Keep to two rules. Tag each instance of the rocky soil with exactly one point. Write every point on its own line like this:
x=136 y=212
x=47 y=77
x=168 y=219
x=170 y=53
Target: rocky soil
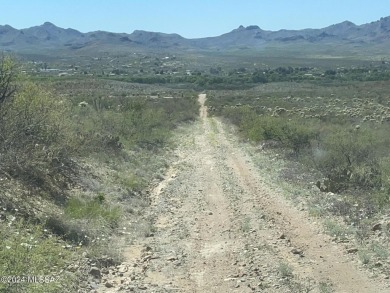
x=219 y=227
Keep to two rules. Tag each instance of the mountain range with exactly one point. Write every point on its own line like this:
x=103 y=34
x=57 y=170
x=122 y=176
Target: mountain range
x=48 y=37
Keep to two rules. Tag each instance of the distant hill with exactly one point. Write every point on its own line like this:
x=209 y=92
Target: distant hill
x=48 y=37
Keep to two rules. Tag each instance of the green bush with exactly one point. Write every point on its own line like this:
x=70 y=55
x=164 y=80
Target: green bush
x=297 y=135
x=293 y=134
x=135 y=122
x=34 y=147
x=238 y=115
x=348 y=158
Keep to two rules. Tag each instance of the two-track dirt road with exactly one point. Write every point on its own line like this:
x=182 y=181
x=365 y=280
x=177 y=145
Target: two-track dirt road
x=218 y=227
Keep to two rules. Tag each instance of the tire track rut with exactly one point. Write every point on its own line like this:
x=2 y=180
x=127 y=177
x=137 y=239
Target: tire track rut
x=220 y=228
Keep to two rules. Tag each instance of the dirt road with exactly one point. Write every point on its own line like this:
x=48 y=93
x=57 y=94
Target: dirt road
x=218 y=227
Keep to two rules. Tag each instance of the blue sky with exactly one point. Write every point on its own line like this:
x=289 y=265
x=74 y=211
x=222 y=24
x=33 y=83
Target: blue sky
x=189 y=18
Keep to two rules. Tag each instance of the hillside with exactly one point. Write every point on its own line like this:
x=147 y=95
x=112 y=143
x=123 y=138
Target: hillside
x=48 y=37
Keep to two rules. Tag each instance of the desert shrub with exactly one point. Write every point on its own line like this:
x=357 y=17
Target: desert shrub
x=150 y=128
x=73 y=231
x=247 y=121
x=250 y=125
x=297 y=135
x=135 y=122
x=95 y=131
x=148 y=124
x=238 y=115
x=348 y=158
x=33 y=147
x=293 y=134
x=178 y=110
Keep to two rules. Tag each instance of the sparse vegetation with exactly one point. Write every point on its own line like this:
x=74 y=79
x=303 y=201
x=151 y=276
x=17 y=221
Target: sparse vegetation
x=50 y=144
x=336 y=230
x=285 y=270
x=92 y=209
x=8 y=74
x=27 y=250
x=325 y=287
x=246 y=225
x=332 y=138
x=364 y=257
x=80 y=145
x=34 y=146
